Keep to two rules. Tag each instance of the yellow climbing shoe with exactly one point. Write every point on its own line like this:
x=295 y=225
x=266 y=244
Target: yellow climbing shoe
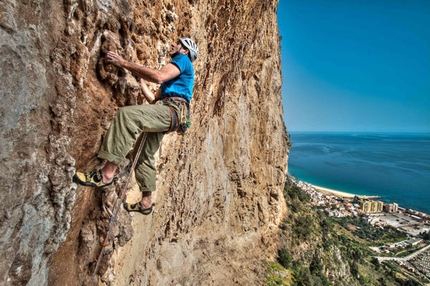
x=90 y=179
x=137 y=207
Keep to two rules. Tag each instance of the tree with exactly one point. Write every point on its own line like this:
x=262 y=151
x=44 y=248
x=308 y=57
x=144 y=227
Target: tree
x=303 y=277
x=316 y=266
x=354 y=269
x=375 y=262
x=284 y=258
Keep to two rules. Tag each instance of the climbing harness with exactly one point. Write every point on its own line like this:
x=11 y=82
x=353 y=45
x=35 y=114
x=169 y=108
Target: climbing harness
x=113 y=217
x=179 y=125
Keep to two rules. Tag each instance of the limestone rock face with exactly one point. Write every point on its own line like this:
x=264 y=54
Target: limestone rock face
x=219 y=190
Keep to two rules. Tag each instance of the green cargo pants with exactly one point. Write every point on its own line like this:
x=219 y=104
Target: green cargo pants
x=127 y=127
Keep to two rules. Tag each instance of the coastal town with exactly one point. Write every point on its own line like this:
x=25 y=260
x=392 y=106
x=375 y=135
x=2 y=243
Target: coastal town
x=381 y=215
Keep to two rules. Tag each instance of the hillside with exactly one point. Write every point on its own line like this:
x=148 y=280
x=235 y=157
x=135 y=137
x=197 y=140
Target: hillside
x=320 y=250
x=219 y=199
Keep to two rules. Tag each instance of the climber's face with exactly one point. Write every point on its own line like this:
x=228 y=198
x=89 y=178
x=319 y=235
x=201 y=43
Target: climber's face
x=177 y=47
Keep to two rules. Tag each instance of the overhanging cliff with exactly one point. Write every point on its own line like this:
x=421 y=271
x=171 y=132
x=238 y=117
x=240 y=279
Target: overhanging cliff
x=219 y=195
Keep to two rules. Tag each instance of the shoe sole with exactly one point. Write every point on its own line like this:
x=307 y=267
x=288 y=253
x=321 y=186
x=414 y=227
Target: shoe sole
x=89 y=184
x=146 y=211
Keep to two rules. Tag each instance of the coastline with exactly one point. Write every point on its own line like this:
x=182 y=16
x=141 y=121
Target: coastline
x=340 y=194
x=332 y=192
x=349 y=196
x=310 y=160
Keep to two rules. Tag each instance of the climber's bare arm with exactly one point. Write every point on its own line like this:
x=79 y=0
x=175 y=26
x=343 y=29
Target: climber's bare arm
x=149 y=95
x=166 y=73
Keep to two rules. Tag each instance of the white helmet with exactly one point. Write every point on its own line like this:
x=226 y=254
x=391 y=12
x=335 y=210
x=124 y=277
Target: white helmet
x=191 y=46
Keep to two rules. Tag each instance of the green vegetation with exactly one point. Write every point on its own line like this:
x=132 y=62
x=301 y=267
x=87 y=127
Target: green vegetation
x=277 y=275
x=372 y=234
x=318 y=250
x=395 y=273
x=284 y=258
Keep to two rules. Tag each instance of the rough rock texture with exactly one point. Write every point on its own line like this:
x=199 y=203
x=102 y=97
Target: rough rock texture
x=219 y=195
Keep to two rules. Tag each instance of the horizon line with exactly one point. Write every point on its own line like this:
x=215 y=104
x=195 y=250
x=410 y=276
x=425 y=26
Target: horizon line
x=345 y=131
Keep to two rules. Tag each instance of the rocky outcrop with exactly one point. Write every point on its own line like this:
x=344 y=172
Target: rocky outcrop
x=219 y=195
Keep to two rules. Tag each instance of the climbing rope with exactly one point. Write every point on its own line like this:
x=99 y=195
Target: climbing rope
x=117 y=206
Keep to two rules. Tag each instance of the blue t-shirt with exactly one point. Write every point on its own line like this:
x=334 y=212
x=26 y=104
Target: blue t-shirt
x=183 y=84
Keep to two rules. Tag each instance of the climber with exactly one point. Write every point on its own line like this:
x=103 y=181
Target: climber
x=154 y=119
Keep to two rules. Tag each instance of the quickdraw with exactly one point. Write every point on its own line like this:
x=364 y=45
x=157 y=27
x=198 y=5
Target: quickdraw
x=185 y=123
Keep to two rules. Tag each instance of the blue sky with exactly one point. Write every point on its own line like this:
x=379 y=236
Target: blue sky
x=356 y=65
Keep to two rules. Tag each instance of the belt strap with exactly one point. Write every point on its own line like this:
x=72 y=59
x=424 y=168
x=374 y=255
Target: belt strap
x=174 y=98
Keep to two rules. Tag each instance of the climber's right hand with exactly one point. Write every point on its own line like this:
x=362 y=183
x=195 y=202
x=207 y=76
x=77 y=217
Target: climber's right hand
x=114 y=59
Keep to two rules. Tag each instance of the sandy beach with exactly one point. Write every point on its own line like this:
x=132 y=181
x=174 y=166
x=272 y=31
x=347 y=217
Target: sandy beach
x=336 y=193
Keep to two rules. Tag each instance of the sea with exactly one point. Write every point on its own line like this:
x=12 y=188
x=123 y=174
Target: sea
x=394 y=166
